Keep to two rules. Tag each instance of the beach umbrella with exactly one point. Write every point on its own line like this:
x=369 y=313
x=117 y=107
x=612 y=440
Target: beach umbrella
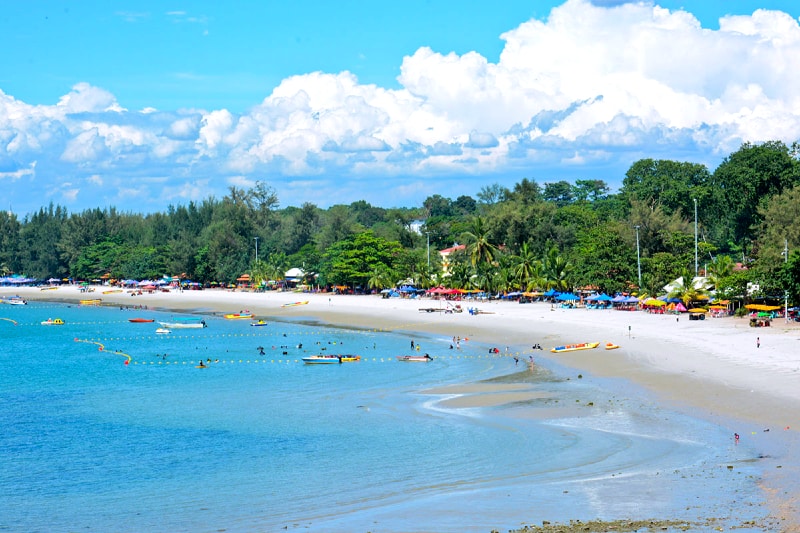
x=697 y=310
x=567 y=297
x=603 y=298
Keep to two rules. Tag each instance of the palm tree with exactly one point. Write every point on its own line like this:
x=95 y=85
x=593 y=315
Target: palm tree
x=527 y=269
x=460 y=275
x=685 y=290
x=379 y=278
x=721 y=268
x=557 y=270
x=259 y=272
x=479 y=249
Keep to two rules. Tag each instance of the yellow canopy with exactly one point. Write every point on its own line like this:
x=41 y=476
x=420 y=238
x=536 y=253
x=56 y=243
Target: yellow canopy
x=654 y=301
x=762 y=307
x=698 y=310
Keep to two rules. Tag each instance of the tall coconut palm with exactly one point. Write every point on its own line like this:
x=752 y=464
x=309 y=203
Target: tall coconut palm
x=259 y=272
x=721 y=268
x=557 y=270
x=527 y=268
x=379 y=278
x=685 y=290
x=479 y=248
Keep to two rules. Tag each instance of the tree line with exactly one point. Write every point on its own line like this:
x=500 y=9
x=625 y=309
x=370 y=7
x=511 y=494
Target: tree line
x=669 y=219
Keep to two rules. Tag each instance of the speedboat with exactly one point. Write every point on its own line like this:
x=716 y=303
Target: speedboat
x=415 y=358
x=259 y=323
x=141 y=320
x=322 y=359
x=53 y=322
x=162 y=331
x=575 y=347
x=185 y=323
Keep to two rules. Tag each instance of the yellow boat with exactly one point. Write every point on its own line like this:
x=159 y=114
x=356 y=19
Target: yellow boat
x=53 y=322
x=611 y=346
x=94 y=301
x=575 y=347
x=236 y=316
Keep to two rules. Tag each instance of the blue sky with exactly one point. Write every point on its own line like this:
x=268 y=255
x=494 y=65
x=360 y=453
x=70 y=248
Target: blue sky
x=144 y=104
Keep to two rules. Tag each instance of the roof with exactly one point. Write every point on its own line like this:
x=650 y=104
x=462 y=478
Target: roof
x=294 y=273
x=453 y=249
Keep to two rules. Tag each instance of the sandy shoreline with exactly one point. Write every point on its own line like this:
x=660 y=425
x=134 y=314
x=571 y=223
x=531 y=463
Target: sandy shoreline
x=712 y=368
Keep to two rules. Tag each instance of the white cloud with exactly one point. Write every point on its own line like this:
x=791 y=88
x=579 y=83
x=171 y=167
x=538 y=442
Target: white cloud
x=19 y=173
x=86 y=98
x=594 y=85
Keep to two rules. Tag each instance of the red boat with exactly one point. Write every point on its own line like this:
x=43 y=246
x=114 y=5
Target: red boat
x=141 y=320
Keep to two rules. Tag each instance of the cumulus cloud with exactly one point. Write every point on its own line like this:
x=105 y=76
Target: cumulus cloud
x=592 y=86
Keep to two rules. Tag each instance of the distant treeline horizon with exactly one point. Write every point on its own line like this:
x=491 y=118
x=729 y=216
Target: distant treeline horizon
x=670 y=219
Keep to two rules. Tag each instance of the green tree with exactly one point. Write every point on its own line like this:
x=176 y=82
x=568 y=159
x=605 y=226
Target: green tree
x=746 y=180
x=380 y=278
x=527 y=268
x=479 y=247
x=492 y=194
x=778 y=228
x=720 y=268
x=39 y=238
x=604 y=257
x=10 y=229
x=686 y=290
x=557 y=270
x=590 y=190
x=352 y=261
x=671 y=185
x=560 y=193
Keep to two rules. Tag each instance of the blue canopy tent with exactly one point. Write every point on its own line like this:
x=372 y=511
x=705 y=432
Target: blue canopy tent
x=551 y=293
x=567 y=297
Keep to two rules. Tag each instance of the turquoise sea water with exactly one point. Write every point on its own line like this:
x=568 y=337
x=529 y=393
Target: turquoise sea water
x=263 y=442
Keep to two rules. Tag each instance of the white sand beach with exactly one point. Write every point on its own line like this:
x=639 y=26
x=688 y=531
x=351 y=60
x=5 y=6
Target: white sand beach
x=713 y=368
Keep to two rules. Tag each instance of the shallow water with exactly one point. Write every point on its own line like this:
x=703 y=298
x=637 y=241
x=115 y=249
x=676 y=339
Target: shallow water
x=262 y=442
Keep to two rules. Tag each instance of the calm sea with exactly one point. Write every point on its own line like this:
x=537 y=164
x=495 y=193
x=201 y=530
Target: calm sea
x=265 y=443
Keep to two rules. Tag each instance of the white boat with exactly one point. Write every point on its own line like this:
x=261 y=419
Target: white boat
x=184 y=324
x=415 y=358
x=322 y=359
x=15 y=300
x=162 y=331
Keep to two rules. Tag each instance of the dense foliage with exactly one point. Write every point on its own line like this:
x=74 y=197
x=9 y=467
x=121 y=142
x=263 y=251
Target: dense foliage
x=532 y=236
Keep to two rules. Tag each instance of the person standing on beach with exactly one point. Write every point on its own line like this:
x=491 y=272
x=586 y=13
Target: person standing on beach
x=758 y=342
